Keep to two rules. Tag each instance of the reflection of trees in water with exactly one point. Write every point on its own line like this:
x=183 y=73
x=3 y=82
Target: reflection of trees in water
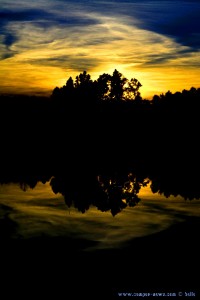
x=114 y=191
x=107 y=193
x=184 y=184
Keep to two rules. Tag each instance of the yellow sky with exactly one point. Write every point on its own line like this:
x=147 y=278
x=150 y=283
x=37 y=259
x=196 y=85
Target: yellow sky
x=23 y=77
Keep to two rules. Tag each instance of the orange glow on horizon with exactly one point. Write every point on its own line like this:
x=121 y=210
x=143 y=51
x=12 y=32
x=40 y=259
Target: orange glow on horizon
x=29 y=79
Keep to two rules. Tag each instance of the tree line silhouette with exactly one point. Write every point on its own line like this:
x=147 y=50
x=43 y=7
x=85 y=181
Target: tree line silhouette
x=99 y=141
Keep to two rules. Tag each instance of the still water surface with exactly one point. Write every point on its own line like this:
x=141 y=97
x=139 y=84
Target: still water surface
x=39 y=213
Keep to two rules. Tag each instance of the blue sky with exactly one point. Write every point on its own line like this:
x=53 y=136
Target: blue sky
x=45 y=42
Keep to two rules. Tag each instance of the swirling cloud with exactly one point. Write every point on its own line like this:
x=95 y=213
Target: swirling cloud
x=67 y=37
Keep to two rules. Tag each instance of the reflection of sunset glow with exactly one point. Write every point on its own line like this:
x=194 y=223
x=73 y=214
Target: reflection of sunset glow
x=39 y=212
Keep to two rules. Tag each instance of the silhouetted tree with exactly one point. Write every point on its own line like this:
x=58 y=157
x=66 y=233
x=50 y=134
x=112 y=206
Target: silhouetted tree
x=113 y=87
x=83 y=81
x=132 y=90
x=118 y=82
x=103 y=86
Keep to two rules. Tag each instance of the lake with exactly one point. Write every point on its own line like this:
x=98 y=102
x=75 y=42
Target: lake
x=157 y=236
x=39 y=212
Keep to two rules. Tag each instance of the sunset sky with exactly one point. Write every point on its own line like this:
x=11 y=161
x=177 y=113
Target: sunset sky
x=45 y=42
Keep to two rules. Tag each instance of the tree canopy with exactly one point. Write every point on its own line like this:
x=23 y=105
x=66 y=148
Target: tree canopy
x=108 y=87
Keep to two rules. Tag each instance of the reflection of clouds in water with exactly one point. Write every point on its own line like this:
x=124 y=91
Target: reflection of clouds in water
x=40 y=213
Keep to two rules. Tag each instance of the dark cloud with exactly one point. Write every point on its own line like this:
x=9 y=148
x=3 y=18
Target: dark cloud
x=6 y=55
x=185 y=29
x=24 y=15
x=40 y=15
x=158 y=58
x=77 y=63
x=176 y=19
x=9 y=39
x=93 y=41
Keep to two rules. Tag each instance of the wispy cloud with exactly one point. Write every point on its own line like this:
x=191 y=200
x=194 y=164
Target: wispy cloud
x=67 y=37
